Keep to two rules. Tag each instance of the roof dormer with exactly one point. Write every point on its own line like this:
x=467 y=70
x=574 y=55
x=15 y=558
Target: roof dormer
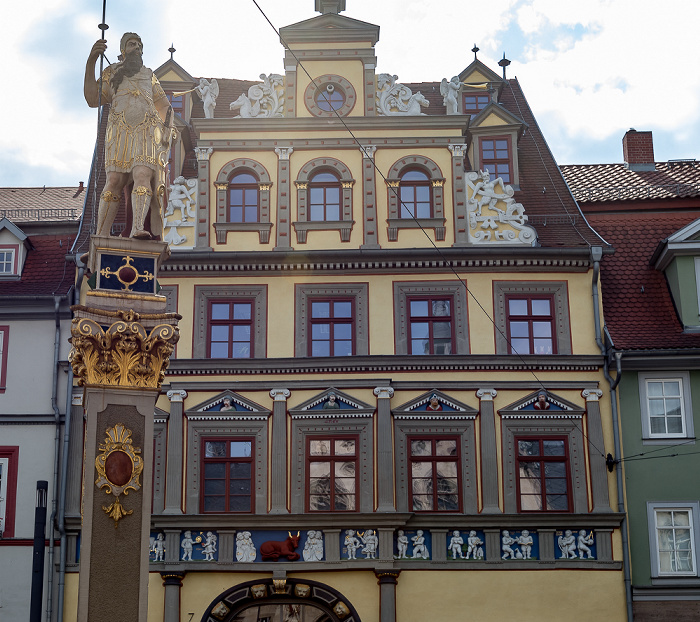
x=14 y=245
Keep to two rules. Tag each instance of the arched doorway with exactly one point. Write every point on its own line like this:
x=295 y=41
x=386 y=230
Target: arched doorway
x=281 y=600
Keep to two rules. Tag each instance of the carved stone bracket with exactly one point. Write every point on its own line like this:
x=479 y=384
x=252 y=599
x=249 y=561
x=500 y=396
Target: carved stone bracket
x=124 y=354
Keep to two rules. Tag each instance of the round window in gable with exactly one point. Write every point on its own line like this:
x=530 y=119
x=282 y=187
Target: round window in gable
x=330 y=95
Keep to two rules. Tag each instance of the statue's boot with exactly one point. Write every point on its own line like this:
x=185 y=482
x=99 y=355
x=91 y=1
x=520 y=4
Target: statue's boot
x=106 y=213
x=140 y=203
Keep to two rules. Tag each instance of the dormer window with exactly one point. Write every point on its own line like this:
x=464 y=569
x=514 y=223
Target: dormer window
x=495 y=157
x=8 y=260
x=475 y=102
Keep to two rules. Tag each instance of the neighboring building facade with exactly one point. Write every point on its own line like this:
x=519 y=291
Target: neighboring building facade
x=345 y=432
x=650 y=213
x=37 y=229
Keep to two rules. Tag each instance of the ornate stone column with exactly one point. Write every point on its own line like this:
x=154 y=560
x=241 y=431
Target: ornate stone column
x=278 y=497
x=369 y=198
x=489 y=461
x=459 y=195
x=122 y=341
x=172 y=582
x=204 y=177
x=385 y=451
x=284 y=203
x=387 y=580
x=174 y=453
x=596 y=444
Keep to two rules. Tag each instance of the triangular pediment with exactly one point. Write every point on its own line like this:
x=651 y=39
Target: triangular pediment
x=434 y=404
x=495 y=115
x=160 y=415
x=552 y=406
x=332 y=403
x=330 y=28
x=478 y=73
x=685 y=241
x=13 y=229
x=170 y=71
x=227 y=405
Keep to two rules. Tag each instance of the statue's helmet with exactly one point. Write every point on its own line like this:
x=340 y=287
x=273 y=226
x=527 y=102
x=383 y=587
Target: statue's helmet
x=126 y=38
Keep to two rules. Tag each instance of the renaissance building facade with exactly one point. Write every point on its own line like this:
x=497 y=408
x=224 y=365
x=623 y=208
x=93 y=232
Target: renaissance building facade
x=387 y=401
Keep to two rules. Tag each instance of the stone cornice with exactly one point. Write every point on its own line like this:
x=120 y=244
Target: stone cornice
x=383 y=364
x=397 y=261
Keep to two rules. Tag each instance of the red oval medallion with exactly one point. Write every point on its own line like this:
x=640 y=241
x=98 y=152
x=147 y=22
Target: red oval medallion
x=119 y=468
x=127 y=274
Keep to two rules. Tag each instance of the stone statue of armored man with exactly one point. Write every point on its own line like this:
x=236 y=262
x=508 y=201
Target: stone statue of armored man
x=137 y=138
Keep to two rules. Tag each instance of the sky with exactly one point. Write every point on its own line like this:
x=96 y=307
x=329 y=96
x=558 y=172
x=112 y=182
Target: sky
x=590 y=69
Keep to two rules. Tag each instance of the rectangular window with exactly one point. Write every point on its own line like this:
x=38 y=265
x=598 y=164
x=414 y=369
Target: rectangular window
x=227 y=475
x=230 y=329
x=543 y=475
x=495 y=157
x=332 y=474
x=434 y=466
x=475 y=102
x=430 y=320
x=9 y=459
x=332 y=327
x=177 y=103
x=673 y=528
x=4 y=339
x=530 y=322
x=7 y=261
x=665 y=405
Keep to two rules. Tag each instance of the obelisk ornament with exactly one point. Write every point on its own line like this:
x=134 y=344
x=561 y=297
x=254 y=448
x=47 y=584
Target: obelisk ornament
x=119 y=466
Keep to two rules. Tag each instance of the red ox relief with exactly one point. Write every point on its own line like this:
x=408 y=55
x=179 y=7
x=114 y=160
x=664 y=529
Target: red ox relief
x=273 y=550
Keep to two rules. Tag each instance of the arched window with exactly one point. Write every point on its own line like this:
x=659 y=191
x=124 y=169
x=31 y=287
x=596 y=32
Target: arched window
x=415 y=194
x=243 y=198
x=324 y=197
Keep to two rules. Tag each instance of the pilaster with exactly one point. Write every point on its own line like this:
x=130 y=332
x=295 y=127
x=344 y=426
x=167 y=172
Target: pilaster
x=369 y=198
x=596 y=444
x=284 y=210
x=387 y=580
x=489 y=461
x=204 y=179
x=174 y=453
x=173 y=583
x=385 y=454
x=459 y=195
x=278 y=497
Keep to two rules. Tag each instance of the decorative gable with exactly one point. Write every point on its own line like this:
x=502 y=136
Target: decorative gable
x=434 y=405
x=14 y=245
x=331 y=403
x=228 y=405
x=542 y=405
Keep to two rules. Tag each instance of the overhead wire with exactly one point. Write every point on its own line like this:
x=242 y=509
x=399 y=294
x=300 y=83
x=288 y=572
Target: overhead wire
x=445 y=261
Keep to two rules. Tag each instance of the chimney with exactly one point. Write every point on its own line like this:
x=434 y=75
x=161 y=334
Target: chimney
x=638 y=150
x=79 y=190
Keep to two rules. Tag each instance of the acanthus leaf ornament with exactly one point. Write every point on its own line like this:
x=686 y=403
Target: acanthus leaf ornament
x=119 y=467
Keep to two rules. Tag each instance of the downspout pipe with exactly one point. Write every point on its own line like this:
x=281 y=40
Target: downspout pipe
x=61 y=522
x=596 y=256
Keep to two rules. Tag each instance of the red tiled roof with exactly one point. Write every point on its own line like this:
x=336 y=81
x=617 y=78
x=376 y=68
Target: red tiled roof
x=638 y=307
x=41 y=204
x=615 y=182
x=46 y=271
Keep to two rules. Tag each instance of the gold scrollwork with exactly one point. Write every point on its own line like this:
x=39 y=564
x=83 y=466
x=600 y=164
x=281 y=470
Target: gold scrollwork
x=127 y=274
x=119 y=467
x=123 y=355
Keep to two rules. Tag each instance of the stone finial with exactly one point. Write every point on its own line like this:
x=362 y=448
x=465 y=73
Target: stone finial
x=330 y=6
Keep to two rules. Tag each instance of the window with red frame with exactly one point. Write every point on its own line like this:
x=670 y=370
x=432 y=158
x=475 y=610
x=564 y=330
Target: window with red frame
x=332 y=327
x=430 y=321
x=324 y=197
x=4 y=343
x=332 y=474
x=434 y=465
x=475 y=102
x=9 y=463
x=415 y=194
x=176 y=103
x=227 y=475
x=496 y=158
x=243 y=198
x=8 y=264
x=230 y=329
x=543 y=475
x=530 y=321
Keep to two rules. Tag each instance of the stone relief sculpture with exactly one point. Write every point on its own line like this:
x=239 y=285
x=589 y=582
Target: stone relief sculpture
x=313 y=548
x=371 y=541
x=525 y=542
x=489 y=226
x=455 y=546
x=208 y=91
x=507 y=543
x=450 y=93
x=420 y=550
x=395 y=99
x=209 y=547
x=263 y=100
x=401 y=544
x=159 y=547
x=584 y=543
x=245 y=549
x=274 y=549
x=351 y=543
x=187 y=545
x=567 y=545
x=475 y=546
x=182 y=197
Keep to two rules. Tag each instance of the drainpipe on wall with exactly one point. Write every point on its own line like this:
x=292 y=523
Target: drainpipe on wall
x=596 y=256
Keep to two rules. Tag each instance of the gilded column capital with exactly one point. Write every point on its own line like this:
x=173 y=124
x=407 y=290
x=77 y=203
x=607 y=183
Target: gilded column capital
x=280 y=395
x=125 y=354
x=592 y=395
x=486 y=395
x=221 y=185
x=177 y=396
x=384 y=392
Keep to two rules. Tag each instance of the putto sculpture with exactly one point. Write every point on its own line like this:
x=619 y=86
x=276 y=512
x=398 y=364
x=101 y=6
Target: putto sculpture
x=137 y=138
